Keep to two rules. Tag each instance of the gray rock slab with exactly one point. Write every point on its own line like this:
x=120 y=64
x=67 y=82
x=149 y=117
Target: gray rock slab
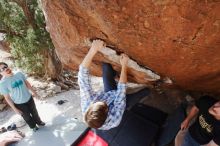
x=62 y=131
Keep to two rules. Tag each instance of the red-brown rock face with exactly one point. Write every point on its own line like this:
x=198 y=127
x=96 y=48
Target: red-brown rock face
x=179 y=39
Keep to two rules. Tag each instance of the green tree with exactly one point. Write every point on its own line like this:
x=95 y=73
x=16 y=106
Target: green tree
x=23 y=23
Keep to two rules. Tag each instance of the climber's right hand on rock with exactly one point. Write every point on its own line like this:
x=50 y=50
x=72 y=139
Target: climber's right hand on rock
x=97 y=45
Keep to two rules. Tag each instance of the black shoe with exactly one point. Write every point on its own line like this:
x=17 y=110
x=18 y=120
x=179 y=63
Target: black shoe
x=12 y=127
x=35 y=128
x=41 y=124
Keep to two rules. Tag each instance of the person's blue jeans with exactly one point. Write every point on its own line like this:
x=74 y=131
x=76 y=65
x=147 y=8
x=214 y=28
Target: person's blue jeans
x=108 y=74
x=189 y=141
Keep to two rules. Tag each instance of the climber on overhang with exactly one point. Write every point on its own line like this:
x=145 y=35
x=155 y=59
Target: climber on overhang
x=104 y=110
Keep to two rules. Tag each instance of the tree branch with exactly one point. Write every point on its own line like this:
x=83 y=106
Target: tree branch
x=10 y=32
x=27 y=12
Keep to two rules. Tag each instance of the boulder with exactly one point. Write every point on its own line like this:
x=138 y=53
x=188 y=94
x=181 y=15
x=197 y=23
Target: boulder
x=178 y=40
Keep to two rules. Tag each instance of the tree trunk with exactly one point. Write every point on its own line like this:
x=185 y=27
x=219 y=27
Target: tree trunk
x=53 y=66
x=27 y=12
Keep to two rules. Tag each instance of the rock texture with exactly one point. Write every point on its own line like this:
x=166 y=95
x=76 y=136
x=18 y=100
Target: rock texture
x=178 y=39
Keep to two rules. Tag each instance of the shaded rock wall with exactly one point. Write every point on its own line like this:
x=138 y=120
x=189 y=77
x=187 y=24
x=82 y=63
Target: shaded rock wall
x=178 y=39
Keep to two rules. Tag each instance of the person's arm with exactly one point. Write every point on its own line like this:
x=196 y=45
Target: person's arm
x=11 y=104
x=96 y=46
x=120 y=94
x=84 y=80
x=123 y=76
x=193 y=112
x=34 y=93
x=124 y=61
x=9 y=140
x=216 y=136
x=9 y=137
x=121 y=88
x=212 y=143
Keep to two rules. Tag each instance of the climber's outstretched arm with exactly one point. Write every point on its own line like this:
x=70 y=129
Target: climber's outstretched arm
x=96 y=46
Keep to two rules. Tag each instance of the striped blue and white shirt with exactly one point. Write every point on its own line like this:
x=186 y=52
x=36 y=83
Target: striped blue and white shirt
x=115 y=99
